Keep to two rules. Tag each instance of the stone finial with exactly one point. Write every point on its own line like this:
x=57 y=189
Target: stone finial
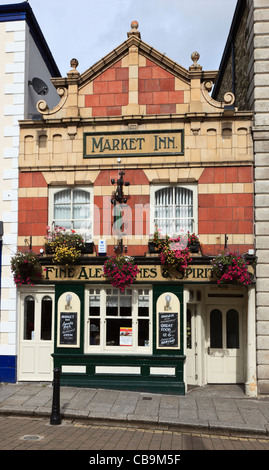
x=73 y=72
x=74 y=63
x=195 y=57
x=134 y=31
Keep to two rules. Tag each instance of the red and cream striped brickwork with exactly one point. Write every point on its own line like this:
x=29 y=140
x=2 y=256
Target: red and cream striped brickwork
x=225 y=207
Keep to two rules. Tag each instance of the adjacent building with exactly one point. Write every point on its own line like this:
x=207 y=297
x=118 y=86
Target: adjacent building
x=26 y=68
x=137 y=143
x=244 y=70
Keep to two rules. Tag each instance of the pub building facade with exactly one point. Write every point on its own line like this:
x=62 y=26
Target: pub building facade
x=137 y=144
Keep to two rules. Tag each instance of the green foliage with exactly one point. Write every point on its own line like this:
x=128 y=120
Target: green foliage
x=26 y=268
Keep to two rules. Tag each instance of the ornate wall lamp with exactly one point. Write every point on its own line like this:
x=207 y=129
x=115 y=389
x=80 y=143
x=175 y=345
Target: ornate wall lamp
x=119 y=198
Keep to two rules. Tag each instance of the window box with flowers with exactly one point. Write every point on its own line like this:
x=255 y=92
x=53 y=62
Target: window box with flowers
x=65 y=246
x=157 y=241
x=121 y=271
x=231 y=268
x=194 y=244
x=26 y=268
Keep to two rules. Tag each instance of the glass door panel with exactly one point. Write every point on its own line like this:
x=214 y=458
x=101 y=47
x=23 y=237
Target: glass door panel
x=225 y=361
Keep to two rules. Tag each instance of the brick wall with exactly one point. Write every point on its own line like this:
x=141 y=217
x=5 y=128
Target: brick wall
x=33 y=207
x=110 y=91
x=157 y=91
x=225 y=207
x=225 y=202
x=135 y=215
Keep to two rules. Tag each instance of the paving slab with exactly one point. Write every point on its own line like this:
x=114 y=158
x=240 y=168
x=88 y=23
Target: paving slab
x=223 y=408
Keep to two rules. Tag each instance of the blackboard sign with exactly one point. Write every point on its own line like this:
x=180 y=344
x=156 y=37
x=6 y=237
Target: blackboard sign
x=168 y=330
x=68 y=328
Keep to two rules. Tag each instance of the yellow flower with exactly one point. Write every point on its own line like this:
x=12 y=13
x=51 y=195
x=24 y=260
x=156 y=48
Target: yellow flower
x=66 y=255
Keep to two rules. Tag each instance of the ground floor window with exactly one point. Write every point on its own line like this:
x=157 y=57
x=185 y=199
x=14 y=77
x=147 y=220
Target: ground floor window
x=118 y=321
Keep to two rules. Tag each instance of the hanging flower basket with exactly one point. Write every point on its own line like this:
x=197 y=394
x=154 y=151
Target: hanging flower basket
x=26 y=268
x=175 y=253
x=64 y=246
x=231 y=268
x=120 y=271
x=172 y=257
x=65 y=255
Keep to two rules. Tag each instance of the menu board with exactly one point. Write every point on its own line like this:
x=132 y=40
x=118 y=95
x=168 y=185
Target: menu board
x=168 y=330
x=68 y=328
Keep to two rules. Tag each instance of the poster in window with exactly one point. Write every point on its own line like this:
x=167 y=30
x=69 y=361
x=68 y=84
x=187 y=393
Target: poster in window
x=126 y=335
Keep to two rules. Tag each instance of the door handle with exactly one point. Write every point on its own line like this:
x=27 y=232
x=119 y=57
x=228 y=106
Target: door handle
x=208 y=350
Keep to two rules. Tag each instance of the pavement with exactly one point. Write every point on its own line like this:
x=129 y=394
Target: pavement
x=215 y=408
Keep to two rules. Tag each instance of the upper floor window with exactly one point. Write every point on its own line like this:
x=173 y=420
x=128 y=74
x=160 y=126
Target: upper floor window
x=174 y=209
x=71 y=208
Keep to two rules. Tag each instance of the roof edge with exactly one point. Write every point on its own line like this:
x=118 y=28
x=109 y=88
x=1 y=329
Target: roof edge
x=23 y=12
x=146 y=50
x=238 y=13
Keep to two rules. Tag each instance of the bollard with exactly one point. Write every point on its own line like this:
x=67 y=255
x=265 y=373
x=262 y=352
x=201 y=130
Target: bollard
x=55 y=417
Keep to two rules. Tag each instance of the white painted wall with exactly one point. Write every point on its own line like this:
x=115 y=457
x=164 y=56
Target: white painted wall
x=12 y=40
x=20 y=61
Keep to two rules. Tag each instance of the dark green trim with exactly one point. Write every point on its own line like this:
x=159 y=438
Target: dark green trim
x=159 y=289
x=145 y=382
x=79 y=290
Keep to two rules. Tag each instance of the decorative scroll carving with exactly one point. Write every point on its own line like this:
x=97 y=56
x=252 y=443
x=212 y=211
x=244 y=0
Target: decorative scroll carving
x=228 y=99
x=42 y=105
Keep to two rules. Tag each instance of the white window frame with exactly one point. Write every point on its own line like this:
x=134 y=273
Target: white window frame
x=86 y=233
x=102 y=348
x=191 y=187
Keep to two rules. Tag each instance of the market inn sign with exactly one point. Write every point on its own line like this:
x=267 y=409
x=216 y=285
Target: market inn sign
x=147 y=273
x=133 y=143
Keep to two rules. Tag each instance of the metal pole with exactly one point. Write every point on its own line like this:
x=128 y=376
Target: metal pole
x=55 y=417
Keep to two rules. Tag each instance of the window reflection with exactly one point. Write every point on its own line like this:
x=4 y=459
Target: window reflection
x=232 y=329
x=46 y=318
x=29 y=318
x=216 y=329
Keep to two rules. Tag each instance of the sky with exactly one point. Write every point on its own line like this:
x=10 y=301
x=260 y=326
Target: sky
x=89 y=29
